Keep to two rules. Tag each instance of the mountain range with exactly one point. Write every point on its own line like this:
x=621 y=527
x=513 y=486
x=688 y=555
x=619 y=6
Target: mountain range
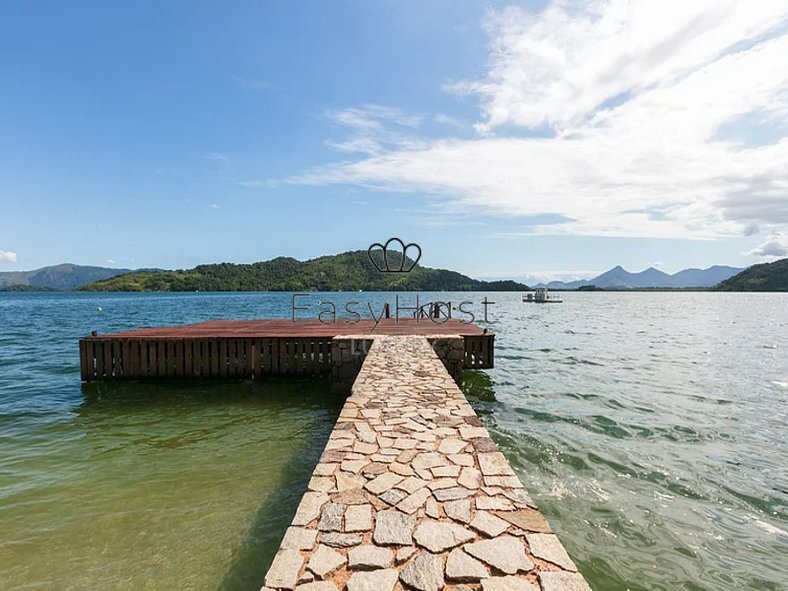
x=353 y=270
x=64 y=276
x=620 y=278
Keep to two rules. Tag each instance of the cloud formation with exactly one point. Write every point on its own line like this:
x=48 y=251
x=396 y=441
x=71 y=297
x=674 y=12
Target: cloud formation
x=6 y=256
x=775 y=247
x=611 y=118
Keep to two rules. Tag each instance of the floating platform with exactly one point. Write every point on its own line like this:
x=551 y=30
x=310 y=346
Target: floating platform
x=255 y=348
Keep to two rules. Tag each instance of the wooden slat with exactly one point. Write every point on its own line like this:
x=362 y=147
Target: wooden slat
x=144 y=356
x=298 y=356
x=107 y=369
x=222 y=358
x=178 y=360
x=213 y=356
x=161 y=358
x=83 y=361
x=188 y=348
x=249 y=348
x=169 y=351
x=257 y=360
x=130 y=359
x=153 y=359
x=124 y=370
x=117 y=360
x=274 y=367
x=196 y=359
x=316 y=342
x=236 y=356
x=326 y=354
x=282 y=369
x=98 y=355
x=205 y=359
x=91 y=352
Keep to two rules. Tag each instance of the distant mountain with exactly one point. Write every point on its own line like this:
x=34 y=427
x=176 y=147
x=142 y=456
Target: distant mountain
x=620 y=278
x=65 y=276
x=704 y=277
x=349 y=271
x=764 y=277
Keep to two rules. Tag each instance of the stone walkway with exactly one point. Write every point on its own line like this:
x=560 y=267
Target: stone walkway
x=411 y=493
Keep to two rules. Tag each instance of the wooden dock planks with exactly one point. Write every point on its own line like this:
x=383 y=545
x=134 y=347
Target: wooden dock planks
x=248 y=349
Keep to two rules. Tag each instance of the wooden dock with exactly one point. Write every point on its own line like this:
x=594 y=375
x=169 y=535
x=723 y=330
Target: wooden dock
x=253 y=348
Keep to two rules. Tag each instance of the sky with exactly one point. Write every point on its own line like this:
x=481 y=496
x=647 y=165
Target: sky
x=545 y=139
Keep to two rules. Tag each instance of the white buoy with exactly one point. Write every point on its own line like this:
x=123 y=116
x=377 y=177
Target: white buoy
x=98 y=309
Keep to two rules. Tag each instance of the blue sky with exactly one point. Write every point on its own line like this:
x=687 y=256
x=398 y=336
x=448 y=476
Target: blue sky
x=508 y=139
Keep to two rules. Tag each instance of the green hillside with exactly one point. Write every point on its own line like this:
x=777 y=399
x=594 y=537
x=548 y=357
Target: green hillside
x=764 y=277
x=349 y=271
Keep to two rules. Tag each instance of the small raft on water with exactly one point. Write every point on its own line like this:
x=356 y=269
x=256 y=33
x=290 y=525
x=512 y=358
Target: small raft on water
x=541 y=296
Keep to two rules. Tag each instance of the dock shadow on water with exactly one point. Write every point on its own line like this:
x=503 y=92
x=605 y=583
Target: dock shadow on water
x=186 y=485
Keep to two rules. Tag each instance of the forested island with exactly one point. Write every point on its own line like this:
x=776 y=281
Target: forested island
x=763 y=277
x=349 y=271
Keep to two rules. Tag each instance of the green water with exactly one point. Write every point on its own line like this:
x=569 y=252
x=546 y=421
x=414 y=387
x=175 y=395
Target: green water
x=150 y=486
x=651 y=429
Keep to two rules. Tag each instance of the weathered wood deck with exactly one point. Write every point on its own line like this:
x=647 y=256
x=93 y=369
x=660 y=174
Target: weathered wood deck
x=252 y=348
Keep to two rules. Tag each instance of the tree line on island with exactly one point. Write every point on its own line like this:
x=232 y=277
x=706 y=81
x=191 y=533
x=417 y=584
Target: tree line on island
x=349 y=271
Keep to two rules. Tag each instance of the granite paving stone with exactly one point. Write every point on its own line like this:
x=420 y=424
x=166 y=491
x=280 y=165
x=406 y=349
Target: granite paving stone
x=318 y=586
x=462 y=567
x=284 y=570
x=394 y=528
x=508 y=583
x=358 y=518
x=438 y=536
x=506 y=553
x=331 y=517
x=423 y=572
x=382 y=483
x=489 y=524
x=338 y=540
x=325 y=561
x=547 y=547
x=562 y=581
x=459 y=510
x=414 y=501
x=309 y=508
x=369 y=557
x=526 y=519
x=299 y=538
x=376 y=580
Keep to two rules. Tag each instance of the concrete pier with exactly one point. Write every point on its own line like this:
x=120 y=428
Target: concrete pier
x=411 y=493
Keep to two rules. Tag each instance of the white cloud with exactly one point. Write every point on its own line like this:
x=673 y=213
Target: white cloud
x=371 y=116
x=253 y=83
x=774 y=247
x=629 y=98
x=214 y=206
x=376 y=129
x=6 y=256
